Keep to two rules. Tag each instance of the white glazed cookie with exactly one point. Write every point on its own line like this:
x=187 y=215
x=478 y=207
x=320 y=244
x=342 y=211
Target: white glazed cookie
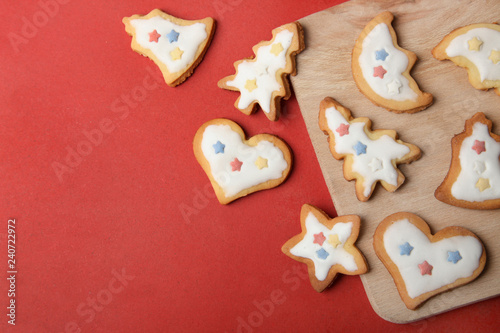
x=370 y=156
x=263 y=80
x=381 y=68
x=327 y=246
x=473 y=180
x=477 y=48
x=236 y=166
x=176 y=46
x=422 y=264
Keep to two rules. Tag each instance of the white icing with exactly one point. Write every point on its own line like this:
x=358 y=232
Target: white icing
x=473 y=166
x=459 y=46
x=263 y=69
x=393 y=86
x=337 y=255
x=233 y=182
x=376 y=164
x=189 y=39
x=436 y=254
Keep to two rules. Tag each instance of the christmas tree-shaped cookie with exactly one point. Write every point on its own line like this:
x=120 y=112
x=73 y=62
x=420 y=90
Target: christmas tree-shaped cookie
x=473 y=180
x=370 y=156
x=176 y=46
x=263 y=80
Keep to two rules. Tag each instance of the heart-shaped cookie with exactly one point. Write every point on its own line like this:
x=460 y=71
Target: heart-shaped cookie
x=422 y=264
x=236 y=166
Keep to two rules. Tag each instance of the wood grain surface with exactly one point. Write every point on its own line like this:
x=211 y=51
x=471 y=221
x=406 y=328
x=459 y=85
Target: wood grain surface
x=324 y=69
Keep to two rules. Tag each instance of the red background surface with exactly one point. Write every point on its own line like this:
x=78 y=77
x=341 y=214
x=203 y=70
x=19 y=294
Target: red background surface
x=119 y=210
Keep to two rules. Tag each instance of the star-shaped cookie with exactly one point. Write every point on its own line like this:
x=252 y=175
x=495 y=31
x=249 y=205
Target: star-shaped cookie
x=326 y=246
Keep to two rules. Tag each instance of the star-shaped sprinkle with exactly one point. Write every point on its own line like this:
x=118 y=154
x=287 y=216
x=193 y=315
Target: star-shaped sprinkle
x=494 y=56
x=319 y=238
x=322 y=254
x=176 y=54
x=334 y=240
x=405 y=249
x=276 y=49
x=153 y=36
x=261 y=69
x=475 y=44
x=236 y=164
x=479 y=146
x=173 y=36
x=219 y=147
x=343 y=129
x=425 y=268
x=375 y=164
x=483 y=184
x=393 y=88
x=381 y=54
x=379 y=71
x=454 y=256
x=359 y=148
x=479 y=167
x=251 y=85
x=261 y=162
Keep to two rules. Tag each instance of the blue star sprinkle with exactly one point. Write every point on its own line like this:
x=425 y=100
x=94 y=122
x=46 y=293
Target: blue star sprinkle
x=405 y=249
x=219 y=147
x=381 y=54
x=172 y=36
x=322 y=254
x=359 y=148
x=454 y=257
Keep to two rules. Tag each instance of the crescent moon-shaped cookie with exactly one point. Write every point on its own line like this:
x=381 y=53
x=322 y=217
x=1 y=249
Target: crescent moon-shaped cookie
x=477 y=48
x=381 y=68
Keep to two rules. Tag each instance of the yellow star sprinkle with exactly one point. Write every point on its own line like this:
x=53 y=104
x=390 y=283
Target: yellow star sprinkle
x=334 y=240
x=494 y=56
x=276 y=49
x=251 y=85
x=483 y=184
x=176 y=54
x=475 y=44
x=261 y=163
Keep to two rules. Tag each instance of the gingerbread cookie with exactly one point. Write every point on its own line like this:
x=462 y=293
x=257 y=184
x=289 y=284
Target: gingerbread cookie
x=477 y=48
x=263 y=80
x=422 y=264
x=473 y=180
x=236 y=166
x=370 y=156
x=381 y=68
x=326 y=246
x=176 y=46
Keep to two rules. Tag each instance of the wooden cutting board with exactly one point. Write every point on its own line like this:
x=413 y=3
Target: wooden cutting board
x=324 y=70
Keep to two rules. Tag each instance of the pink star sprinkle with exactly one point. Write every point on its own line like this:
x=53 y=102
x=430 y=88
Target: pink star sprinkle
x=319 y=238
x=343 y=129
x=479 y=146
x=236 y=165
x=425 y=268
x=379 y=71
x=153 y=36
